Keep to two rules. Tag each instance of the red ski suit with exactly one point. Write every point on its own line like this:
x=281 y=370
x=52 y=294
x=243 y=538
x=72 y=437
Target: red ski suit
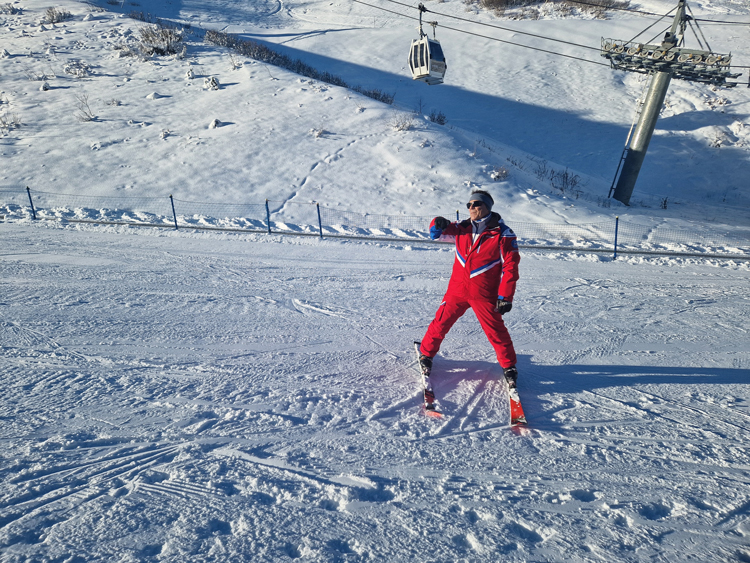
x=484 y=271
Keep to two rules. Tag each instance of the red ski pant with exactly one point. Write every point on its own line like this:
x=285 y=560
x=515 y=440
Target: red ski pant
x=492 y=324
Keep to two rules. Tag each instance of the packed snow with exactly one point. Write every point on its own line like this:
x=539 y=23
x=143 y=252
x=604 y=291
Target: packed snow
x=183 y=395
x=174 y=396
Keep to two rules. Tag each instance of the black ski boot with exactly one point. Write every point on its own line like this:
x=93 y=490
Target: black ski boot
x=511 y=375
x=425 y=364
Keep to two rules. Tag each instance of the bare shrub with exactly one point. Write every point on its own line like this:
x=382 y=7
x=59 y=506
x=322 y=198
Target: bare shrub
x=564 y=9
x=35 y=76
x=124 y=51
x=540 y=168
x=140 y=16
x=605 y=4
x=564 y=180
x=500 y=173
x=402 y=122
x=8 y=122
x=375 y=94
x=437 y=117
x=160 y=39
x=529 y=8
x=53 y=15
x=516 y=162
x=84 y=111
x=211 y=83
x=9 y=9
x=76 y=68
x=497 y=5
x=234 y=63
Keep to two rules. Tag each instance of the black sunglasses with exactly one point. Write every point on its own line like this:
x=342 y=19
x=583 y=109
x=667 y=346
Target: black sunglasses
x=473 y=204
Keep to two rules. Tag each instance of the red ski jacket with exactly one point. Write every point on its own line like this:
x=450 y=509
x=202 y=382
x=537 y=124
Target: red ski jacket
x=485 y=269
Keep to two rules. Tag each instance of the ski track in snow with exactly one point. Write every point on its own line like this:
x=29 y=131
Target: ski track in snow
x=173 y=396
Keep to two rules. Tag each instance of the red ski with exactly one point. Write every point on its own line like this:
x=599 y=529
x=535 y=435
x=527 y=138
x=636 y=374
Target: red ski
x=517 y=418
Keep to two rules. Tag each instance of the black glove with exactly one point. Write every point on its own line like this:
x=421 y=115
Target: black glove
x=442 y=223
x=503 y=307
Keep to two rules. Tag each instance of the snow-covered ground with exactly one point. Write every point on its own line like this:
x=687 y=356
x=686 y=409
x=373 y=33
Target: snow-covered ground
x=186 y=396
x=170 y=396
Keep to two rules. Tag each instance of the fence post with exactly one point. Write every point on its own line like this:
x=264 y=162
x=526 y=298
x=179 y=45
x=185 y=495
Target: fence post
x=33 y=211
x=174 y=215
x=268 y=217
x=320 y=223
x=617 y=228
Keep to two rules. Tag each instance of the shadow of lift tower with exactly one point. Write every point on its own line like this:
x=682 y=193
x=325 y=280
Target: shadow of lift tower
x=664 y=61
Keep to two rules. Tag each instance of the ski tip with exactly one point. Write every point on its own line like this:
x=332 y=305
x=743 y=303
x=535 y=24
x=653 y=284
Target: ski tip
x=431 y=412
x=518 y=422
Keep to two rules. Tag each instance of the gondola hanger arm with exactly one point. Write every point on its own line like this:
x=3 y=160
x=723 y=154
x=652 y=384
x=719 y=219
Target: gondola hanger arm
x=422 y=10
x=434 y=26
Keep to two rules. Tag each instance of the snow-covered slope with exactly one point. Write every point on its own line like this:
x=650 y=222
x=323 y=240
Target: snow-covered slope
x=177 y=397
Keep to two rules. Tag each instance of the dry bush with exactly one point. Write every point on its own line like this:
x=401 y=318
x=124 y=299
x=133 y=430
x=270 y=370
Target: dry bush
x=211 y=83
x=34 y=75
x=53 y=15
x=124 y=50
x=437 y=117
x=500 y=173
x=160 y=39
x=605 y=4
x=8 y=122
x=76 y=68
x=402 y=122
x=530 y=11
x=84 y=111
x=496 y=5
x=234 y=62
x=9 y=9
x=564 y=180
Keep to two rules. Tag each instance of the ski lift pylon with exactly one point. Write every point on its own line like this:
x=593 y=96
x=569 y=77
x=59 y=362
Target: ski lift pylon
x=426 y=58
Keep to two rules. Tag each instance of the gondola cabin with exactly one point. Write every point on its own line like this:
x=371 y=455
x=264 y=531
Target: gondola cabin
x=426 y=60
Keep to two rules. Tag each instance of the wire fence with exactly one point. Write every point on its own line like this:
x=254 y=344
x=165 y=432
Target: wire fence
x=313 y=219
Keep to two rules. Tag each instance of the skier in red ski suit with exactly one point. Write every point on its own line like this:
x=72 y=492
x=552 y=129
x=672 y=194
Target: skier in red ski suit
x=484 y=278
